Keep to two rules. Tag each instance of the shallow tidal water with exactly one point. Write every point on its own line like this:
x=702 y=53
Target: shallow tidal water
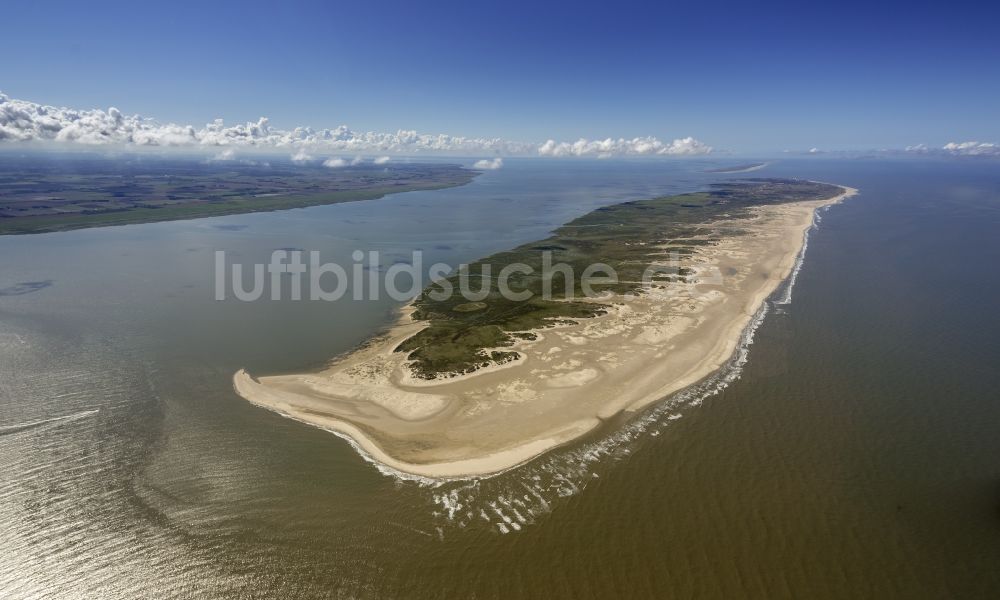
x=856 y=453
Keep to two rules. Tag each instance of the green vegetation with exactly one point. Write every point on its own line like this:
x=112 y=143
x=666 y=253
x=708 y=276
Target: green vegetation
x=627 y=237
x=37 y=197
x=470 y=307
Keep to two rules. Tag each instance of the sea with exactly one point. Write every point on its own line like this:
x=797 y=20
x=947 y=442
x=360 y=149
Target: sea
x=851 y=448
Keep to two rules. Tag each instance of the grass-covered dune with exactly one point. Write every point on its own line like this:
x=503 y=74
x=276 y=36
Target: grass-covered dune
x=463 y=336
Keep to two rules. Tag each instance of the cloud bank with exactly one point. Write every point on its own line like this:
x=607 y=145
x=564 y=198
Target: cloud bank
x=972 y=149
x=335 y=163
x=24 y=121
x=491 y=165
x=958 y=149
x=639 y=146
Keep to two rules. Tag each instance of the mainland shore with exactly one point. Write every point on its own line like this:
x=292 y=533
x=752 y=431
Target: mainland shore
x=568 y=378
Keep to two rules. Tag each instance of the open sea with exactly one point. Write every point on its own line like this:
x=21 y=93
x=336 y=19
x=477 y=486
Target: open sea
x=851 y=450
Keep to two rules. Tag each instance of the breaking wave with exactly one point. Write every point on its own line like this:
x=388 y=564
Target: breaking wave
x=786 y=295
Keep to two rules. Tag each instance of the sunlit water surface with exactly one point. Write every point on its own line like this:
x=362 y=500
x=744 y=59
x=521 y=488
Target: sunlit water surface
x=856 y=453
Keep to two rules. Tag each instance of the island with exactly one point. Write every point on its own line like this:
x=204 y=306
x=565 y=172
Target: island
x=461 y=388
x=40 y=194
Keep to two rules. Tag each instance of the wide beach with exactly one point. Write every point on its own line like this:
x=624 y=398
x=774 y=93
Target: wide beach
x=568 y=379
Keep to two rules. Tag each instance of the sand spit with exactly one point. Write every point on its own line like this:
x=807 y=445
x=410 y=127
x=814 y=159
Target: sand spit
x=567 y=381
x=740 y=169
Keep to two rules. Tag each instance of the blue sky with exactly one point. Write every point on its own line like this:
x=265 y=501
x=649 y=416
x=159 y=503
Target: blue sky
x=749 y=77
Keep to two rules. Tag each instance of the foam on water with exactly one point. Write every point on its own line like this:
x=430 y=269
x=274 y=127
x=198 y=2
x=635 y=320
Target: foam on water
x=510 y=502
x=786 y=296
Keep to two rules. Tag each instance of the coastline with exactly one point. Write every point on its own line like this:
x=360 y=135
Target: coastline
x=493 y=420
x=31 y=225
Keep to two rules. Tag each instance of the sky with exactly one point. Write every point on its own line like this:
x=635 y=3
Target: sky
x=742 y=78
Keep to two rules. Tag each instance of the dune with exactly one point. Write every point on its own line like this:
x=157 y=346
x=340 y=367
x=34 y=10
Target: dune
x=566 y=381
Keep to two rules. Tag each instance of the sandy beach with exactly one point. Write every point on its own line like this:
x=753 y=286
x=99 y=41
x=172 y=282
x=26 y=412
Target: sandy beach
x=567 y=380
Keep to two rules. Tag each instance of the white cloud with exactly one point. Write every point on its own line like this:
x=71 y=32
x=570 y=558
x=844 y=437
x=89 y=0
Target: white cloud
x=25 y=121
x=972 y=149
x=490 y=164
x=381 y=160
x=227 y=154
x=609 y=147
x=335 y=163
x=301 y=156
x=958 y=149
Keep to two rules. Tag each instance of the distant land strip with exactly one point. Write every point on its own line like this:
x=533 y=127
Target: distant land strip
x=744 y=168
x=49 y=198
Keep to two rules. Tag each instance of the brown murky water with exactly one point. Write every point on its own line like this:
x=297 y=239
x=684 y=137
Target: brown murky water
x=856 y=455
